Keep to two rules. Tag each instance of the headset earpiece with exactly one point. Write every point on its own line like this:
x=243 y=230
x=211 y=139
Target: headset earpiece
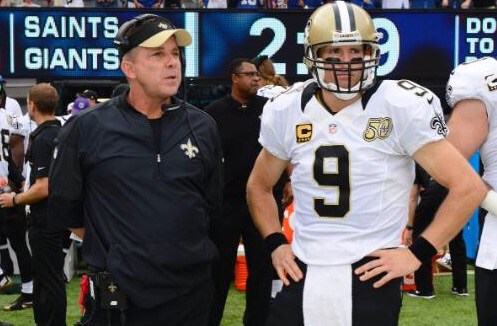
x=122 y=41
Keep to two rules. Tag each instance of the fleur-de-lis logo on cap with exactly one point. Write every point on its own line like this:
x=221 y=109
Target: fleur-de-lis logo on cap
x=164 y=26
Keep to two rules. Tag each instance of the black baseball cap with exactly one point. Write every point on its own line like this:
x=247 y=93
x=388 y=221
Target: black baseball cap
x=89 y=94
x=150 y=32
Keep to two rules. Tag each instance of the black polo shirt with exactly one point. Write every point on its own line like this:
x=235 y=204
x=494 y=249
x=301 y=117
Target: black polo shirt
x=39 y=155
x=146 y=213
x=239 y=127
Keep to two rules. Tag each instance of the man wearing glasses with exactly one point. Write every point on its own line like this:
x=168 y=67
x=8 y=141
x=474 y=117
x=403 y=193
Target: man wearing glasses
x=237 y=116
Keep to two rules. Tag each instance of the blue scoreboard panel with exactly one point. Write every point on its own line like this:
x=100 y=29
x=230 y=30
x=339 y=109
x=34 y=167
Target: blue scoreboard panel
x=70 y=44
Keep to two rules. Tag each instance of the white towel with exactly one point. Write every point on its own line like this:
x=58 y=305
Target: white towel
x=487 y=255
x=328 y=296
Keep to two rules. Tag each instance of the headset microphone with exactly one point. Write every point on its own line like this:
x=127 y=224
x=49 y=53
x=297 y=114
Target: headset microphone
x=164 y=107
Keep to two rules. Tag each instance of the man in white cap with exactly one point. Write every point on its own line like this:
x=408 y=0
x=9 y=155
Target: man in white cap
x=138 y=177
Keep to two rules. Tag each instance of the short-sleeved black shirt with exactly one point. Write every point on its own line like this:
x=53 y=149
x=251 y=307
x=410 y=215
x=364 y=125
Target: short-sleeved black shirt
x=39 y=156
x=146 y=214
x=239 y=126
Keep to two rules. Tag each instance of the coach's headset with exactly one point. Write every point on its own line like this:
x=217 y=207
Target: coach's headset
x=143 y=27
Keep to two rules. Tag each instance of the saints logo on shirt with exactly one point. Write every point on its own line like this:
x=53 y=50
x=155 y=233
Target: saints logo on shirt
x=190 y=150
x=491 y=82
x=438 y=124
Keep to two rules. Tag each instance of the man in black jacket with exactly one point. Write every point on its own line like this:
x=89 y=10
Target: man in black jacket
x=139 y=179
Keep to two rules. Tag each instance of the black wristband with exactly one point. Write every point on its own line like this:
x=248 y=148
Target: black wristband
x=14 y=201
x=274 y=240
x=423 y=249
x=409 y=227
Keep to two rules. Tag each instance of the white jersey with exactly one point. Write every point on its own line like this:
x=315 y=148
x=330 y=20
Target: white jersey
x=12 y=107
x=478 y=80
x=352 y=171
x=7 y=126
x=270 y=91
x=24 y=126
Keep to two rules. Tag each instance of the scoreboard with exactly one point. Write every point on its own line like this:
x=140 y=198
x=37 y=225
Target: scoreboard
x=60 y=43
